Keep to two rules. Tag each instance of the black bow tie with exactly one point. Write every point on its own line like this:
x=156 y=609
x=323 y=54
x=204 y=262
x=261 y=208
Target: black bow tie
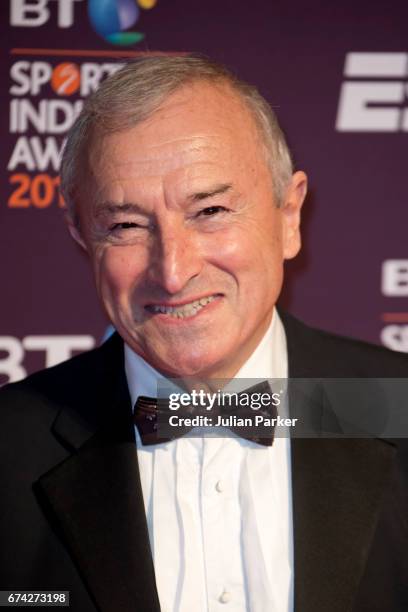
x=151 y=417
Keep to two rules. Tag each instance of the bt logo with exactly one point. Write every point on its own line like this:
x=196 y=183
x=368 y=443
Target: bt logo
x=110 y=18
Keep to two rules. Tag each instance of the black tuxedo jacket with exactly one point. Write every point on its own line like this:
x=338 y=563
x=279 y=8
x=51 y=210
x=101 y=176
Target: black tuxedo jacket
x=71 y=507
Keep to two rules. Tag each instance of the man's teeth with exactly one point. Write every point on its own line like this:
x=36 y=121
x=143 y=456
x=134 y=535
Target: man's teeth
x=186 y=310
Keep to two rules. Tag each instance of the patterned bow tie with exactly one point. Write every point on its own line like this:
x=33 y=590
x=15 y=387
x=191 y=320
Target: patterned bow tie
x=151 y=417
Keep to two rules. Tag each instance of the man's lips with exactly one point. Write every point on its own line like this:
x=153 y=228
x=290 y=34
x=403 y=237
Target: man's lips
x=181 y=310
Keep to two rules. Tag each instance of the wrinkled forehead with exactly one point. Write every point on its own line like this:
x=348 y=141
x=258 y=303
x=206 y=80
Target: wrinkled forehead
x=199 y=136
x=197 y=110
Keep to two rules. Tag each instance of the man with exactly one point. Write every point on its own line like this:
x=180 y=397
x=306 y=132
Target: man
x=180 y=187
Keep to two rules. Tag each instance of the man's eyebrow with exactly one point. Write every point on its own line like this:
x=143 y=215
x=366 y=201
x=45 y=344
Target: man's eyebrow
x=125 y=207
x=133 y=207
x=217 y=190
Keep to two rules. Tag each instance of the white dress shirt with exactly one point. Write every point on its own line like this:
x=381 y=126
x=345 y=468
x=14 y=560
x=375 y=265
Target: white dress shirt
x=219 y=510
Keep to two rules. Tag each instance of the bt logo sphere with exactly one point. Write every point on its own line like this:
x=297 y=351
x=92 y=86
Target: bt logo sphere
x=110 y=19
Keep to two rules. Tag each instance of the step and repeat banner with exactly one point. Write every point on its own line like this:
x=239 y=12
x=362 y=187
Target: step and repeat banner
x=337 y=76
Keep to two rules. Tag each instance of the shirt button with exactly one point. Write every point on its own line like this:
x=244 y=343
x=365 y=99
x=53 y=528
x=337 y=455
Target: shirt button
x=225 y=597
x=219 y=486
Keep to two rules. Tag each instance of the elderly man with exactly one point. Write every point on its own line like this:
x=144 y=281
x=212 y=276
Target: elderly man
x=179 y=186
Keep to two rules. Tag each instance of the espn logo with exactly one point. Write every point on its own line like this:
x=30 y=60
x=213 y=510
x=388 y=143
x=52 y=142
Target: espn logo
x=377 y=103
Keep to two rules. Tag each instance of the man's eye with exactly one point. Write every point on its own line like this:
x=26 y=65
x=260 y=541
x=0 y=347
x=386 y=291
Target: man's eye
x=122 y=226
x=212 y=210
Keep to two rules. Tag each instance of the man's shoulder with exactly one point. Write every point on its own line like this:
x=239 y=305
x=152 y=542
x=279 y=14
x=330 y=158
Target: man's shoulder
x=315 y=352
x=86 y=376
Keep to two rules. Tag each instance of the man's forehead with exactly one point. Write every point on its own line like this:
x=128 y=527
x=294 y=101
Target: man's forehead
x=197 y=109
x=201 y=134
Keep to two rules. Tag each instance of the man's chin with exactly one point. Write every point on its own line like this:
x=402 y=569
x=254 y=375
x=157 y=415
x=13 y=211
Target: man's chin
x=183 y=364
x=185 y=368
x=180 y=357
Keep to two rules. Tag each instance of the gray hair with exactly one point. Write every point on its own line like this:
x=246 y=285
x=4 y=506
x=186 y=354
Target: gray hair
x=133 y=93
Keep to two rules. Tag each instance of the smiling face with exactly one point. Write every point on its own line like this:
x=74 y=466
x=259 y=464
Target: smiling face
x=187 y=244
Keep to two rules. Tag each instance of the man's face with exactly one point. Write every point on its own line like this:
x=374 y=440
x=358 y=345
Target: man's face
x=187 y=244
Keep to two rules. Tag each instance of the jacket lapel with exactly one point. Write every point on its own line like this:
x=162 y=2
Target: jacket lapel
x=95 y=500
x=338 y=490
x=338 y=487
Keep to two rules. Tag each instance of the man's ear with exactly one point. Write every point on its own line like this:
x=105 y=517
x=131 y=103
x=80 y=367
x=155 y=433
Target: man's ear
x=73 y=227
x=290 y=208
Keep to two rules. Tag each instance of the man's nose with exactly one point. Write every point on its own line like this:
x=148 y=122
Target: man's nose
x=176 y=258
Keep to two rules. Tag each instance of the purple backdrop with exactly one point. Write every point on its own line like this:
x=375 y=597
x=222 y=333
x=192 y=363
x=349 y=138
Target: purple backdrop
x=337 y=77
